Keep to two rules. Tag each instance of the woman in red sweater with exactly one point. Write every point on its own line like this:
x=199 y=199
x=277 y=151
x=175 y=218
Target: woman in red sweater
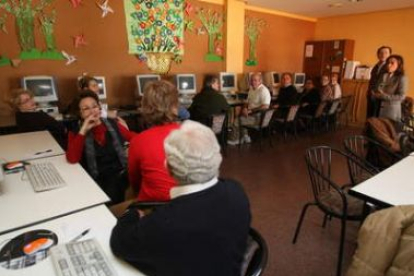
x=148 y=174
x=98 y=146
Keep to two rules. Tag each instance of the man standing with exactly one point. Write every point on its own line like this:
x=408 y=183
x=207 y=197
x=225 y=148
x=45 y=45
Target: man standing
x=203 y=230
x=373 y=105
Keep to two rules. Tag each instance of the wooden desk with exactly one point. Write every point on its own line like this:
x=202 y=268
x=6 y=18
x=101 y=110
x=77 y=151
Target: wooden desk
x=393 y=186
x=27 y=146
x=100 y=222
x=20 y=206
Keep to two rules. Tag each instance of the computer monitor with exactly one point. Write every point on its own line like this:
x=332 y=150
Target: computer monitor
x=142 y=81
x=186 y=83
x=271 y=79
x=299 y=79
x=102 y=86
x=228 y=82
x=43 y=88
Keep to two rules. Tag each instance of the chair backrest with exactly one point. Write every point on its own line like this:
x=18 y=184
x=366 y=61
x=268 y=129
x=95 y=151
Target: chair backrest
x=334 y=106
x=218 y=122
x=291 y=115
x=370 y=152
x=255 y=258
x=266 y=117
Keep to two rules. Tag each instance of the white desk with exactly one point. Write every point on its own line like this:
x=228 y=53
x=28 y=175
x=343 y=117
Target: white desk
x=98 y=219
x=27 y=146
x=393 y=186
x=20 y=206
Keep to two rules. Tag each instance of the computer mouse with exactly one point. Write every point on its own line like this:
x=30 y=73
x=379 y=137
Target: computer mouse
x=37 y=245
x=14 y=165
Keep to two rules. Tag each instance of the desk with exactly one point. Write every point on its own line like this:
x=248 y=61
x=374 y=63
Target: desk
x=24 y=146
x=98 y=219
x=393 y=186
x=235 y=102
x=20 y=206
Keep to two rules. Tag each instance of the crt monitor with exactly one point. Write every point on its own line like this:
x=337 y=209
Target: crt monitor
x=186 y=83
x=275 y=78
x=43 y=88
x=271 y=79
x=299 y=79
x=228 y=82
x=142 y=81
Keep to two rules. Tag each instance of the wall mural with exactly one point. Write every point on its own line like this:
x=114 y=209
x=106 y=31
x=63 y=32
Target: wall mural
x=156 y=31
x=28 y=15
x=253 y=27
x=212 y=24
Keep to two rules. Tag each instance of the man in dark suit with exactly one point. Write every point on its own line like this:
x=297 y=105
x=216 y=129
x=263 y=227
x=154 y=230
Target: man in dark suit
x=203 y=230
x=373 y=105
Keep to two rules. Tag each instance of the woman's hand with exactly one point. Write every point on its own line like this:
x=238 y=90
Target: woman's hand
x=90 y=122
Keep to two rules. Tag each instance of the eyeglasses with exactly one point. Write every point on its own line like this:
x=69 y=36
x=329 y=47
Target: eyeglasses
x=88 y=108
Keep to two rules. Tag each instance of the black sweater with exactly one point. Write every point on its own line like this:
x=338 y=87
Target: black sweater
x=203 y=233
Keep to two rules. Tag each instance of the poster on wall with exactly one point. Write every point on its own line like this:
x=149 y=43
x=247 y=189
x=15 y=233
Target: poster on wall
x=155 y=26
x=27 y=13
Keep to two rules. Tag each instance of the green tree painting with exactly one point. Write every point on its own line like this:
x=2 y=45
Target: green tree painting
x=25 y=13
x=212 y=22
x=253 y=27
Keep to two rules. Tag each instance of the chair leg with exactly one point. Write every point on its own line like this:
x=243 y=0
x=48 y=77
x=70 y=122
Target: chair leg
x=341 y=247
x=325 y=218
x=302 y=215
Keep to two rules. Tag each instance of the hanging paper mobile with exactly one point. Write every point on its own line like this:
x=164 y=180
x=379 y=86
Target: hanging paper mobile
x=105 y=8
x=75 y=3
x=79 y=40
x=69 y=58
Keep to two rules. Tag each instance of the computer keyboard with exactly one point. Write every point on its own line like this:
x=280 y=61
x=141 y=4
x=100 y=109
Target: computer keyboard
x=44 y=176
x=83 y=258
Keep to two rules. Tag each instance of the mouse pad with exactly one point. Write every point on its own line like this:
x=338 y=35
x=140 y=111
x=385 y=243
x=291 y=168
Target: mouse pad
x=27 y=249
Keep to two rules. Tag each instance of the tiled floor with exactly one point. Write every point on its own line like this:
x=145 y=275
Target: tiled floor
x=277 y=183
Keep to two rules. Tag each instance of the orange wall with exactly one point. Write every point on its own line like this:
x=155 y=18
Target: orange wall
x=280 y=48
x=370 y=31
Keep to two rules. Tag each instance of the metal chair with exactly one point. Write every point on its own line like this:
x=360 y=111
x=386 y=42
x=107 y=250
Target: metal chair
x=218 y=123
x=255 y=258
x=288 y=120
x=343 y=109
x=264 y=125
x=332 y=199
x=330 y=116
x=315 y=120
x=370 y=152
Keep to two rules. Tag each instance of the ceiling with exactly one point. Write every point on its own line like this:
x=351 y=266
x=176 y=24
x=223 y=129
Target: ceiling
x=326 y=8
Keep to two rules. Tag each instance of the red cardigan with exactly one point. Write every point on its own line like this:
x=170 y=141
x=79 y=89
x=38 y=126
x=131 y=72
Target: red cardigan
x=146 y=164
x=76 y=142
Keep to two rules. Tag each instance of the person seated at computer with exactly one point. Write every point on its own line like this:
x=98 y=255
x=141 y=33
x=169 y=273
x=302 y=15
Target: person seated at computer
x=28 y=119
x=203 y=230
x=310 y=98
x=288 y=95
x=258 y=99
x=208 y=101
x=98 y=145
x=326 y=89
x=148 y=175
x=336 y=88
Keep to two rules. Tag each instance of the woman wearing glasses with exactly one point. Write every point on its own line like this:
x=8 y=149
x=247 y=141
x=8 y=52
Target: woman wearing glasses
x=98 y=146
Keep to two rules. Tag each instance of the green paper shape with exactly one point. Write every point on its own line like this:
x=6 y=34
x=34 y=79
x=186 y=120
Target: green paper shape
x=251 y=62
x=36 y=54
x=253 y=29
x=5 y=61
x=47 y=23
x=212 y=57
x=212 y=22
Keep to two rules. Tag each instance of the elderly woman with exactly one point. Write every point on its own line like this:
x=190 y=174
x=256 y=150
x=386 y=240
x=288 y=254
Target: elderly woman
x=391 y=88
x=203 y=230
x=148 y=175
x=28 y=119
x=98 y=145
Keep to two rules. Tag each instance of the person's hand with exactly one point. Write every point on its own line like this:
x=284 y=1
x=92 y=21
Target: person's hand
x=90 y=122
x=378 y=94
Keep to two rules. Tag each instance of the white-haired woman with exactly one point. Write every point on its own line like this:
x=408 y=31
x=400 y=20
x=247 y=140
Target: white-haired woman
x=203 y=230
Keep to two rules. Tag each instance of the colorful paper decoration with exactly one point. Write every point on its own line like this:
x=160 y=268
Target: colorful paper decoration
x=26 y=12
x=3 y=27
x=4 y=61
x=253 y=27
x=75 y=3
x=105 y=8
x=79 y=40
x=212 y=22
x=155 y=26
x=69 y=58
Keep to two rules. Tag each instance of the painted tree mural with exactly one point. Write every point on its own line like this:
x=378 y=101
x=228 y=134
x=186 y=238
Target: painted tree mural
x=212 y=22
x=25 y=13
x=253 y=27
